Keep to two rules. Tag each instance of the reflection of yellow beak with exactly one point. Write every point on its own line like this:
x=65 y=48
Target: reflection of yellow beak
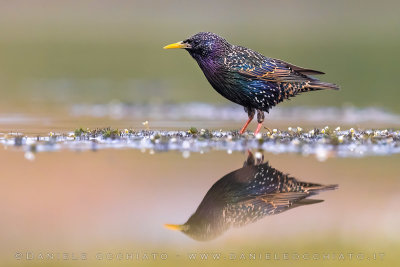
x=177 y=45
x=175 y=227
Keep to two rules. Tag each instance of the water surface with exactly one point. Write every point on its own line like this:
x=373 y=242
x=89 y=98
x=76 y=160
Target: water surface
x=118 y=200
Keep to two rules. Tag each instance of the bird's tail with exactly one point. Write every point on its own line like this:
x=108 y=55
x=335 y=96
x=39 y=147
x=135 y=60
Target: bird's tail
x=292 y=89
x=318 y=85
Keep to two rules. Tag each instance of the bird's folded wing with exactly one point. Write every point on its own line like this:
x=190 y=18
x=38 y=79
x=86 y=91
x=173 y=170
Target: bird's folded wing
x=284 y=200
x=253 y=209
x=301 y=70
x=277 y=71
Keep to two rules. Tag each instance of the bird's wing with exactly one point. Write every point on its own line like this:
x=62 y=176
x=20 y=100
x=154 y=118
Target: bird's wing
x=253 y=209
x=253 y=65
x=276 y=71
x=301 y=70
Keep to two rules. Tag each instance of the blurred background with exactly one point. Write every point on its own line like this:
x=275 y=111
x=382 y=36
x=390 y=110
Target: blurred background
x=55 y=53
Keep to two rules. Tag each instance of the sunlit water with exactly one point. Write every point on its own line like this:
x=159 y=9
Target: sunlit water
x=67 y=193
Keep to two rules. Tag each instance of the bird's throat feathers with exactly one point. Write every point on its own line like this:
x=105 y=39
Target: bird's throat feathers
x=208 y=65
x=209 y=59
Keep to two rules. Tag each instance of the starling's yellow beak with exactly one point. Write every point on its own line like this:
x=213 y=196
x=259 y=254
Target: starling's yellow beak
x=177 y=45
x=175 y=227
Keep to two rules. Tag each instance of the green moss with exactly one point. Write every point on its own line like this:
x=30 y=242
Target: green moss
x=193 y=130
x=80 y=131
x=110 y=133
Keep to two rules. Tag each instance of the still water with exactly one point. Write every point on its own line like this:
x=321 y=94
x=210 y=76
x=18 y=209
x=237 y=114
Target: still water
x=71 y=206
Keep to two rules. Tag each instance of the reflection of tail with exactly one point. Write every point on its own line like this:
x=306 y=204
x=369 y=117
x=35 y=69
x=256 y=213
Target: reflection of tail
x=318 y=85
x=293 y=185
x=313 y=189
x=316 y=188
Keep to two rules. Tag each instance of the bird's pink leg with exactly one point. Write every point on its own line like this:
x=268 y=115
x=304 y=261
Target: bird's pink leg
x=260 y=119
x=258 y=128
x=250 y=113
x=245 y=125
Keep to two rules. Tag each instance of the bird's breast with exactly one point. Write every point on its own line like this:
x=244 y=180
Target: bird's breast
x=222 y=81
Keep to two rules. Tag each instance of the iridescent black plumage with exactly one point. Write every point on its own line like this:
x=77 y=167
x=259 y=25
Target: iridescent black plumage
x=245 y=196
x=246 y=77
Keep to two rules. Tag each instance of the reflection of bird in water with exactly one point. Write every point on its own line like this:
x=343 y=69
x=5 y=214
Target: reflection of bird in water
x=245 y=196
x=246 y=77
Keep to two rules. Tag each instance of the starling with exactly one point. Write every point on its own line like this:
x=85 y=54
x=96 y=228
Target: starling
x=245 y=196
x=246 y=77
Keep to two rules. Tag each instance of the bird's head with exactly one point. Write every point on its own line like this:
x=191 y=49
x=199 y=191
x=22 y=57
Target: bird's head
x=201 y=45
